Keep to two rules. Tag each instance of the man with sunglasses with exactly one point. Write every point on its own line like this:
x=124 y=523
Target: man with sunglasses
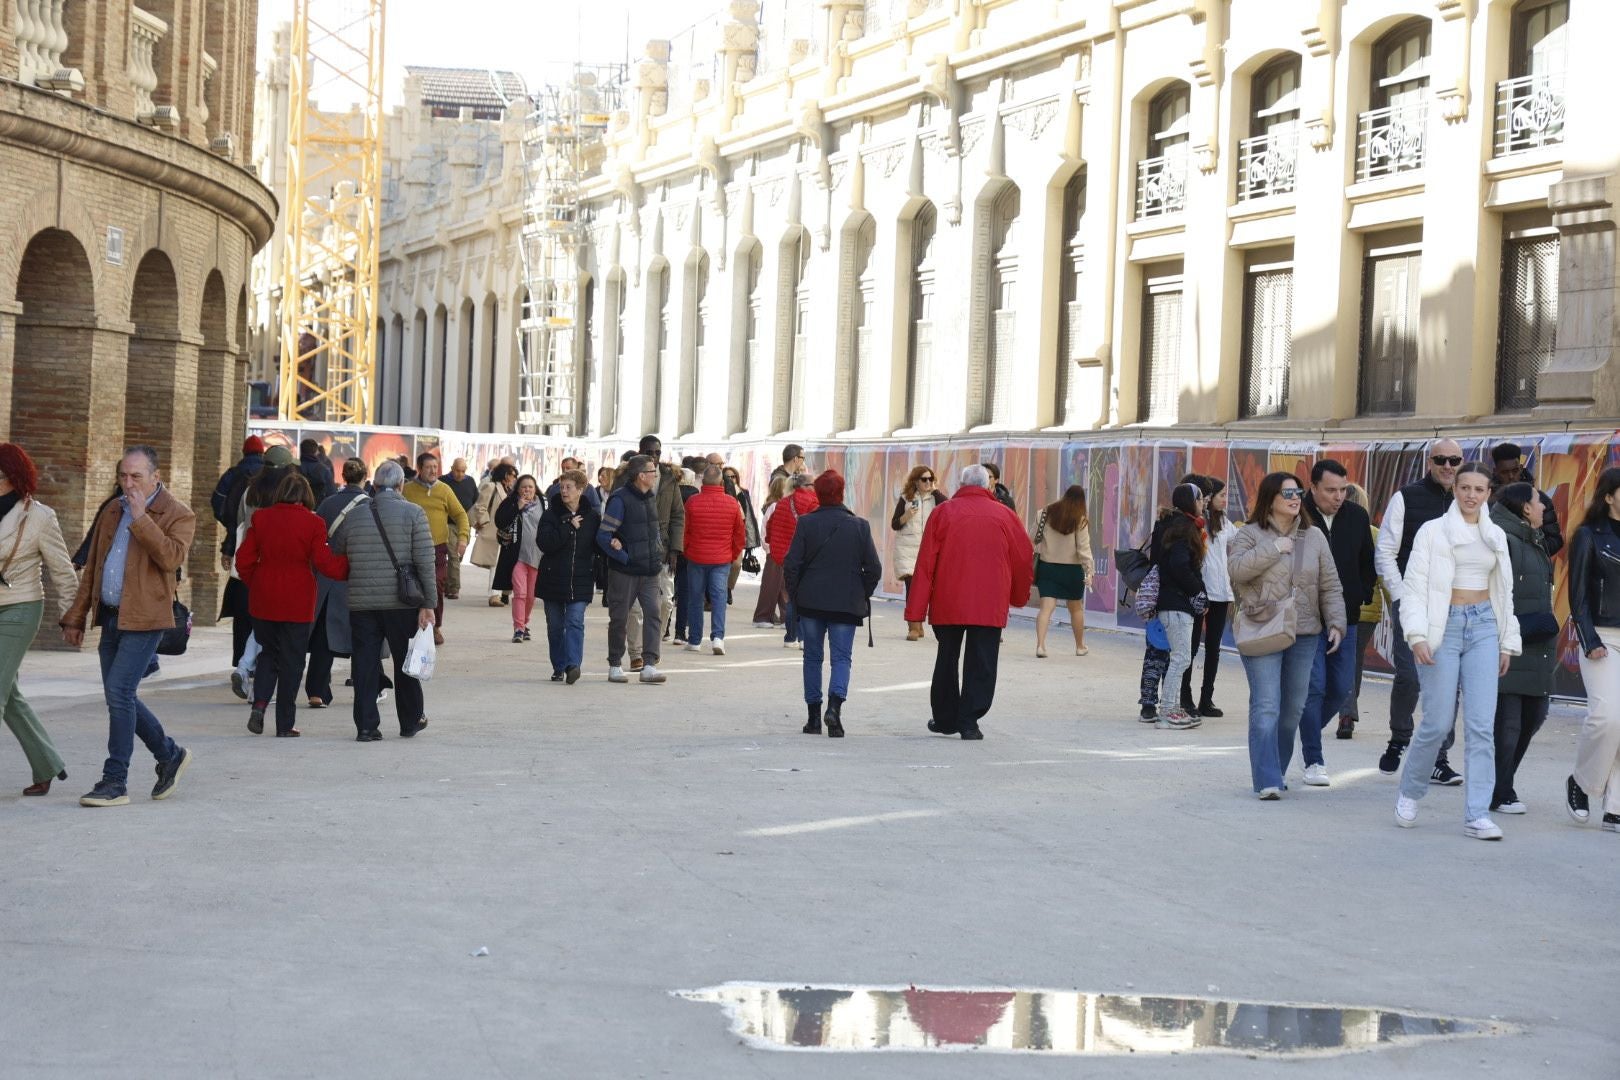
x=1411 y=508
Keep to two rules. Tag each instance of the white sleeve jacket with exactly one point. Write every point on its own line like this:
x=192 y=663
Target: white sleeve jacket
x=1390 y=532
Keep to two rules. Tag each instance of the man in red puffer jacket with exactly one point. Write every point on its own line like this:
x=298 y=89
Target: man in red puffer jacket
x=976 y=562
x=714 y=538
x=779 y=529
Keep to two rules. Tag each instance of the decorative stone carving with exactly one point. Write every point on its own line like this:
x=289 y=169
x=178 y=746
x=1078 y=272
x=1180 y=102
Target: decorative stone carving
x=972 y=131
x=1206 y=155
x=887 y=158
x=1319 y=132
x=1033 y=119
x=1453 y=103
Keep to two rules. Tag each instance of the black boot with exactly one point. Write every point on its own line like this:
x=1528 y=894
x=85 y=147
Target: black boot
x=835 y=720
x=812 y=726
x=1206 y=707
x=1187 y=701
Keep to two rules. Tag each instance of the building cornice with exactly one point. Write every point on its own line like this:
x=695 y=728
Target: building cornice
x=49 y=123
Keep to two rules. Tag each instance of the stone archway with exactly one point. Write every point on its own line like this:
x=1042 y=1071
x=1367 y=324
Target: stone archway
x=214 y=443
x=55 y=371
x=160 y=402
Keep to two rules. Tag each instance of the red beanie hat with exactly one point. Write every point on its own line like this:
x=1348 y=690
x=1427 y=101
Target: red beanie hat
x=830 y=488
x=252 y=445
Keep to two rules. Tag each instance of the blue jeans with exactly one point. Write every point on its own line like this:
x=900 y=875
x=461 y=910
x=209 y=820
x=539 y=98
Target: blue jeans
x=1468 y=656
x=565 y=633
x=1278 y=685
x=1332 y=676
x=790 y=624
x=124 y=660
x=841 y=636
x=704 y=581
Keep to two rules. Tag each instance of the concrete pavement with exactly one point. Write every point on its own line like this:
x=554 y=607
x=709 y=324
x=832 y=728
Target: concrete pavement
x=310 y=907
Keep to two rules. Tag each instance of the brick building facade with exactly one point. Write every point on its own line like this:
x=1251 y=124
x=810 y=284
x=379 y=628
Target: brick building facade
x=127 y=222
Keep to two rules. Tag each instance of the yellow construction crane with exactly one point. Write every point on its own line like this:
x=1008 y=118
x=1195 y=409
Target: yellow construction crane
x=333 y=213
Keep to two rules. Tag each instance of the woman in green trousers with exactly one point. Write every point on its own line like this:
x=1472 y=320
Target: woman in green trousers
x=30 y=539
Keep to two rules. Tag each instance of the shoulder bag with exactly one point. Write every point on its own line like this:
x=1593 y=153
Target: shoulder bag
x=1260 y=629
x=410 y=590
x=22 y=520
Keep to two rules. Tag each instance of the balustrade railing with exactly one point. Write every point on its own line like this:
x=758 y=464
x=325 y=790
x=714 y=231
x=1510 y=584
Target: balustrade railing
x=41 y=39
x=1390 y=141
x=1529 y=113
x=1161 y=185
x=1266 y=166
x=145 y=31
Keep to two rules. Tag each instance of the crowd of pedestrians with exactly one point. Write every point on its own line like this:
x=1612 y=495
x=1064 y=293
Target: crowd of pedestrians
x=1455 y=586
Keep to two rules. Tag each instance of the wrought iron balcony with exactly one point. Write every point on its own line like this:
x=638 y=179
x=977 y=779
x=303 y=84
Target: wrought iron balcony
x=1529 y=113
x=1390 y=141
x=1161 y=185
x=1267 y=165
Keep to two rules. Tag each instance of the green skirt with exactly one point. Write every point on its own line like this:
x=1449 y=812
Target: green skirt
x=1060 y=581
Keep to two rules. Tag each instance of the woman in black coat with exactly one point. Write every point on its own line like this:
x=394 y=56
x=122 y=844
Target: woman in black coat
x=567 y=537
x=830 y=572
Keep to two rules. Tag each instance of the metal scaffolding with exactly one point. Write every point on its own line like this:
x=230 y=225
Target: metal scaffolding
x=561 y=143
x=334 y=192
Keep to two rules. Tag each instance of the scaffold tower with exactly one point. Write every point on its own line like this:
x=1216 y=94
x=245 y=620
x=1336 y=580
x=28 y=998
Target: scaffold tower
x=561 y=142
x=333 y=216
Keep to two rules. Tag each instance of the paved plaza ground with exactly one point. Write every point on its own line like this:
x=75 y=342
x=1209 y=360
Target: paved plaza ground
x=313 y=907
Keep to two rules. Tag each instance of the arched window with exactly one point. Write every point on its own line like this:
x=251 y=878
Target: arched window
x=1001 y=295
x=1071 y=262
x=692 y=360
x=1530 y=104
x=1269 y=152
x=1161 y=178
x=1390 y=137
x=920 y=336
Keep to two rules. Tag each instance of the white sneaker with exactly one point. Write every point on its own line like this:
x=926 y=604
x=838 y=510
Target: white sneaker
x=1405 y=812
x=762 y=624
x=789 y=644
x=616 y=674
x=1483 y=828
x=1269 y=794
x=719 y=645
x=650 y=674
x=1317 y=776
x=1514 y=807
x=692 y=646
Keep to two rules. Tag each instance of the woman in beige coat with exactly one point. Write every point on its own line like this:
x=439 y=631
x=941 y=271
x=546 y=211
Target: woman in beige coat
x=1063 y=565
x=918 y=499
x=1278 y=558
x=30 y=539
x=486 y=550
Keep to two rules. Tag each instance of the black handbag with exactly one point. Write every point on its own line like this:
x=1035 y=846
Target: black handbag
x=750 y=562
x=174 y=641
x=410 y=589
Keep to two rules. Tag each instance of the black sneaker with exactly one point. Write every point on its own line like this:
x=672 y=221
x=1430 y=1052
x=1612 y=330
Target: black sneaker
x=1611 y=823
x=169 y=774
x=517 y=637
x=256 y=721
x=1575 y=801
x=1347 y=728
x=972 y=734
x=1148 y=715
x=106 y=793
x=556 y=676
x=525 y=633
x=410 y=733
x=369 y=736
x=571 y=675
x=1445 y=775
x=1207 y=708
x=1389 y=762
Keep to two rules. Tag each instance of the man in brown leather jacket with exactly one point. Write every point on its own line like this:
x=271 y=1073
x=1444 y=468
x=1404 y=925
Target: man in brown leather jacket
x=137 y=544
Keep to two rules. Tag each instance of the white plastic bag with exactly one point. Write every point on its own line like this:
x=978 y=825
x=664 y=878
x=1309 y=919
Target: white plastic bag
x=250 y=656
x=419 y=657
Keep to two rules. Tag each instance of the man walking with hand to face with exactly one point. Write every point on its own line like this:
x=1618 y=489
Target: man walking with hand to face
x=1411 y=508
x=138 y=542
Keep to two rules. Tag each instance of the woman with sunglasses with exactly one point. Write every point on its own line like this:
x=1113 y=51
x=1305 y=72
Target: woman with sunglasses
x=1457 y=617
x=918 y=498
x=30 y=541
x=1279 y=558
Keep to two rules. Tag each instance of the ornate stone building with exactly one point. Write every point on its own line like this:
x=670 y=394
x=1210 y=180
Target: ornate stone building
x=129 y=220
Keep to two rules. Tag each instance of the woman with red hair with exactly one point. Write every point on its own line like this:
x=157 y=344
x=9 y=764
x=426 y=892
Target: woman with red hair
x=30 y=539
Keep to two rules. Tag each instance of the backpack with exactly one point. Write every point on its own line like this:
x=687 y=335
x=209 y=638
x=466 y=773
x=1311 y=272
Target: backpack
x=1133 y=566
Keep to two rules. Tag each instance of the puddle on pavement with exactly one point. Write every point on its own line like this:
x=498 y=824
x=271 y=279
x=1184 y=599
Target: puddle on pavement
x=854 y=1018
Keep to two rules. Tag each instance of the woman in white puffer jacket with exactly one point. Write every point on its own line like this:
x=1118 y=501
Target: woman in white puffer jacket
x=1457 y=612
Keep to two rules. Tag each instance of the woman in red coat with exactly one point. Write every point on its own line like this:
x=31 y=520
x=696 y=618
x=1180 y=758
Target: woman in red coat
x=284 y=546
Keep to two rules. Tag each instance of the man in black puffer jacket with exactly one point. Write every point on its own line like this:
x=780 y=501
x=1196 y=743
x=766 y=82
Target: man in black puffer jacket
x=632 y=540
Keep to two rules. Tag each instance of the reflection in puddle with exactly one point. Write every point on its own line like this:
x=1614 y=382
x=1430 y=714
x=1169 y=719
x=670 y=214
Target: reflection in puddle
x=1056 y=1021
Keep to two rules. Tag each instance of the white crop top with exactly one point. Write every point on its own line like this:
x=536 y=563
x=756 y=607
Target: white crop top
x=1475 y=561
